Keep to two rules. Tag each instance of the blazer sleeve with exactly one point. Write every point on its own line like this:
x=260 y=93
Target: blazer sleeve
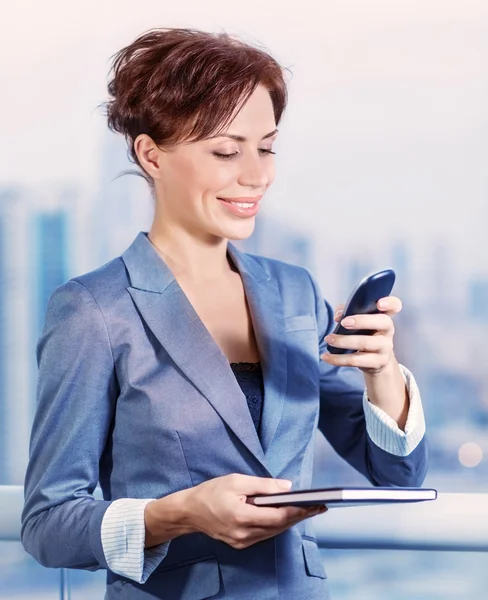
x=76 y=394
x=342 y=419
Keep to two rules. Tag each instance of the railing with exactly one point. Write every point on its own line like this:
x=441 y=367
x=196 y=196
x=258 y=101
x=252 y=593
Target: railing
x=454 y=522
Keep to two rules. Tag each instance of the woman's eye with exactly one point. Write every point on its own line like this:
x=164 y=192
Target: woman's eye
x=224 y=156
x=228 y=156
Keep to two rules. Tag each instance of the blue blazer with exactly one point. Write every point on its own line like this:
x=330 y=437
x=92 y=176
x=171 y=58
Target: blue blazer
x=134 y=394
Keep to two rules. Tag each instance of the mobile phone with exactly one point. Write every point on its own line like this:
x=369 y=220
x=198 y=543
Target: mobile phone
x=362 y=301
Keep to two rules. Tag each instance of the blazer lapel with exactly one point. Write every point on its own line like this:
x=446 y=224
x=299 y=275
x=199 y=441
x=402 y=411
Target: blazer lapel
x=265 y=306
x=172 y=319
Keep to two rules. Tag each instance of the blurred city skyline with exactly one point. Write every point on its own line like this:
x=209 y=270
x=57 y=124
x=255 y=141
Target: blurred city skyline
x=386 y=121
x=382 y=161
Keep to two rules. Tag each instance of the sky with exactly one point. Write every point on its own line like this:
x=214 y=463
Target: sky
x=386 y=131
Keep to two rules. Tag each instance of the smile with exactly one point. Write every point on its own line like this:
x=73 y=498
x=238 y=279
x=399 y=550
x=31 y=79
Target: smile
x=242 y=204
x=242 y=207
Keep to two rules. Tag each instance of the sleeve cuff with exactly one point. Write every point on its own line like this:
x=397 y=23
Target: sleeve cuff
x=384 y=431
x=123 y=535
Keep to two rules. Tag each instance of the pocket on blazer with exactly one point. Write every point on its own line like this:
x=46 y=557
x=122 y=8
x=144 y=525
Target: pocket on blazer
x=197 y=579
x=300 y=323
x=313 y=561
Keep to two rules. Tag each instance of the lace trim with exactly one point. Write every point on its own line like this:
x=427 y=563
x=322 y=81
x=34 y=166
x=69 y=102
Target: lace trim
x=246 y=366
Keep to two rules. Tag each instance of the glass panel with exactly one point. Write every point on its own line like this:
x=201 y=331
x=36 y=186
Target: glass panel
x=406 y=575
x=353 y=574
x=22 y=578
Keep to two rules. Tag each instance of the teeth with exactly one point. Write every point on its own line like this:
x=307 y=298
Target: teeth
x=243 y=204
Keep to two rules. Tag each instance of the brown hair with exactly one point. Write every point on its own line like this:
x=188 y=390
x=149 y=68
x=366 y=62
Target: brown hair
x=185 y=84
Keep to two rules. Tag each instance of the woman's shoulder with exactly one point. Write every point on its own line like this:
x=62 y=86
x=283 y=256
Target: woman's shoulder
x=109 y=276
x=102 y=284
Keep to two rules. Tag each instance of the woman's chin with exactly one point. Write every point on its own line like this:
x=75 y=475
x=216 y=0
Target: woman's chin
x=240 y=232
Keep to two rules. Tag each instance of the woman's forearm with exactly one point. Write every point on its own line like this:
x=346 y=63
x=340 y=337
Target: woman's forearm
x=167 y=518
x=387 y=390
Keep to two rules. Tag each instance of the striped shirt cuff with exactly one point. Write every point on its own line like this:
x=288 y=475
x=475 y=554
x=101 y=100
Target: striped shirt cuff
x=123 y=537
x=384 y=431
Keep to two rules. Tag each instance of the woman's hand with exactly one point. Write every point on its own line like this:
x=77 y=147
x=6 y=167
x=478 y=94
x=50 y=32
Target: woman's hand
x=374 y=352
x=385 y=384
x=219 y=509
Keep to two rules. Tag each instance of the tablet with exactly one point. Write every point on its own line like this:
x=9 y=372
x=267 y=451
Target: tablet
x=344 y=496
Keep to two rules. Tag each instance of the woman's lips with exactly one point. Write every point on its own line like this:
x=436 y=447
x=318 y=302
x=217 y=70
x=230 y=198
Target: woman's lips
x=242 y=206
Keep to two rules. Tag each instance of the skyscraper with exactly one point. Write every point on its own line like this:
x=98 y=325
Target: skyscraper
x=3 y=454
x=123 y=204
x=51 y=258
x=37 y=230
x=402 y=267
x=15 y=334
x=478 y=300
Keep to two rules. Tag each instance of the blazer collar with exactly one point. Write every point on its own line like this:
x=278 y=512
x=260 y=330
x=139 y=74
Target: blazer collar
x=148 y=271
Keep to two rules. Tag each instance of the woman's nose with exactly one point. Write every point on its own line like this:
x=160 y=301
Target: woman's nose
x=254 y=173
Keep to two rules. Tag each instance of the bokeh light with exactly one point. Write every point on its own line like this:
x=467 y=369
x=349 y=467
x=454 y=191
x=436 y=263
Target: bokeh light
x=470 y=454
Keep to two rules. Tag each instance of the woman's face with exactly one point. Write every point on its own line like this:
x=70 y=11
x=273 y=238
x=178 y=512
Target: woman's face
x=213 y=188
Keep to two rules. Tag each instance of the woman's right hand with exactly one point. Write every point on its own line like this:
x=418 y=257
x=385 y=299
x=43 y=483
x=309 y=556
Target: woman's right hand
x=219 y=509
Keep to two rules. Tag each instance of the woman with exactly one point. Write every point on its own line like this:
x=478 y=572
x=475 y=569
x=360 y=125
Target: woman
x=145 y=364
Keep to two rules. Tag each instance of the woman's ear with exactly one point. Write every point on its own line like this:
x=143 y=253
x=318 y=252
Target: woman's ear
x=148 y=154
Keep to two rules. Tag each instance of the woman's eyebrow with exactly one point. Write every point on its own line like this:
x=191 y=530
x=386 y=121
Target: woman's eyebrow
x=241 y=138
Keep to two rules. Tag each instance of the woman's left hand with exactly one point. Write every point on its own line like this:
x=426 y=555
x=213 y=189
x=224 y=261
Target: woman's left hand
x=374 y=352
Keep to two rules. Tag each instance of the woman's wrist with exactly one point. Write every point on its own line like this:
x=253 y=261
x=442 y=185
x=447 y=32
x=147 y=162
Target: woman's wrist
x=387 y=390
x=167 y=518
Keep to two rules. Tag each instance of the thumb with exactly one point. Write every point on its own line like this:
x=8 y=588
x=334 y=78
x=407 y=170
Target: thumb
x=265 y=485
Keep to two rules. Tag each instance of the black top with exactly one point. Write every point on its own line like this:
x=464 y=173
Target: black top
x=250 y=377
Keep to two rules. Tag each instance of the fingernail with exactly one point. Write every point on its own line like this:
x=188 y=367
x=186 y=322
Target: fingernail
x=382 y=304
x=348 y=322
x=337 y=314
x=329 y=339
x=284 y=484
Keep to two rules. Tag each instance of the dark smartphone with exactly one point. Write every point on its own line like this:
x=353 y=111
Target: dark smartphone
x=363 y=301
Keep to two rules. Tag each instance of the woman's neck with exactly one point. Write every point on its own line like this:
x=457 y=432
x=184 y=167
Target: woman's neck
x=189 y=257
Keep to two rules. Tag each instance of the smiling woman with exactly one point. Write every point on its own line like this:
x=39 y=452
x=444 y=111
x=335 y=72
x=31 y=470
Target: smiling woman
x=184 y=376
x=207 y=98
x=207 y=183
